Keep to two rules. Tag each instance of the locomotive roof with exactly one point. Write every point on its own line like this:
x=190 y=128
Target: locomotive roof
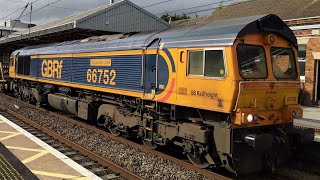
x=215 y=33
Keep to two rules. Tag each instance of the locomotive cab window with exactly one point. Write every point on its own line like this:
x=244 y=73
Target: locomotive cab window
x=209 y=63
x=252 y=61
x=283 y=63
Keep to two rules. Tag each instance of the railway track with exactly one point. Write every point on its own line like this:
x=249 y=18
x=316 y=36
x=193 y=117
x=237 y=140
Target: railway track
x=86 y=153
x=94 y=163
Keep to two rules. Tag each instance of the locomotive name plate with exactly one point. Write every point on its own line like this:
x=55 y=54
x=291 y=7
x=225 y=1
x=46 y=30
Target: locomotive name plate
x=291 y=100
x=100 y=62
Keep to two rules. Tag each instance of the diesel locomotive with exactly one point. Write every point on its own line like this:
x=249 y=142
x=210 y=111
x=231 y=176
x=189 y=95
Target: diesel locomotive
x=224 y=93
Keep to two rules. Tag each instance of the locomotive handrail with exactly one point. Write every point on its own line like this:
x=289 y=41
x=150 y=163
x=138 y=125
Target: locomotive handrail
x=157 y=60
x=142 y=69
x=1 y=69
x=242 y=82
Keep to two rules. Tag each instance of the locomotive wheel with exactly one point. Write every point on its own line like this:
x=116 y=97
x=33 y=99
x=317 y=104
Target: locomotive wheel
x=149 y=144
x=199 y=161
x=1 y=88
x=114 y=131
x=38 y=104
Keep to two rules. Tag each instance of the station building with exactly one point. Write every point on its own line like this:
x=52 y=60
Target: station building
x=114 y=18
x=303 y=17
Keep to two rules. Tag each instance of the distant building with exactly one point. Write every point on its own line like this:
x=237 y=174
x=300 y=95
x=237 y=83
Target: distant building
x=18 y=24
x=120 y=17
x=12 y=26
x=303 y=17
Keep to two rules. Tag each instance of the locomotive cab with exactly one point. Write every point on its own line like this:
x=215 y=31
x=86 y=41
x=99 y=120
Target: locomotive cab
x=269 y=82
x=268 y=90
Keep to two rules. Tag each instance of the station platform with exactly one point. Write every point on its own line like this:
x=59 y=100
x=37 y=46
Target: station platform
x=24 y=156
x=311 y=112
x=12 y=167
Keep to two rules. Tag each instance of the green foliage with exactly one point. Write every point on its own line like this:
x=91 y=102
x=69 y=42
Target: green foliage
x=219 y=7
x=174 y=17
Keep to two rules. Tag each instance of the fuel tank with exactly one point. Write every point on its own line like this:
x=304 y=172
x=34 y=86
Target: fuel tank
x=63 y=103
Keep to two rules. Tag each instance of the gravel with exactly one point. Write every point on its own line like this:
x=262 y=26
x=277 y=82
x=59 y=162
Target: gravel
x=143 y=164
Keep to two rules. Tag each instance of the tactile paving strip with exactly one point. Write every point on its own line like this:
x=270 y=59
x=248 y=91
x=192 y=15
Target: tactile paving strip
x=11 y=167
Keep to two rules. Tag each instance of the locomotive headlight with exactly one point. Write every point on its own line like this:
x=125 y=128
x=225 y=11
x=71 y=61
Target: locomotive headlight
x=255 y=117
x=294 y=114
x=272 y=38
x=250 y=118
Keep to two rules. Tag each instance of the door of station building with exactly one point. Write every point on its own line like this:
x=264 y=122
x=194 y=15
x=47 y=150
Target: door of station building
x=318 y=82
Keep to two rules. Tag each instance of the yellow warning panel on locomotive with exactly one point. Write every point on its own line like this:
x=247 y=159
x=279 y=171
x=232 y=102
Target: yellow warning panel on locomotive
x=100 y=62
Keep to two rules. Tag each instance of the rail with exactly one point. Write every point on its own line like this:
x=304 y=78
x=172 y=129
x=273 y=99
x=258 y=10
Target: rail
x=124 y=173
x=114 y=167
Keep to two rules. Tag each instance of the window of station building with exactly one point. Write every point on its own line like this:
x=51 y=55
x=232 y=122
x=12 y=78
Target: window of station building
x=209 y=63
x=302 y=60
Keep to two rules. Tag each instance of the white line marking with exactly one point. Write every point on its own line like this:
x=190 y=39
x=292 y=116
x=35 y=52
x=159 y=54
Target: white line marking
x=53 y=151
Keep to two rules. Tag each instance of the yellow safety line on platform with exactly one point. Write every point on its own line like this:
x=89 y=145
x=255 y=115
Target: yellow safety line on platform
x=34 y=157
x=10 y=136
x=8 y=132
x=82 y=178
x=26 y=149
x=50 y=174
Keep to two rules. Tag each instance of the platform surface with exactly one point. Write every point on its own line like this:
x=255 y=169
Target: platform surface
x=311 y=112
x=41 y=159
x=11 y=167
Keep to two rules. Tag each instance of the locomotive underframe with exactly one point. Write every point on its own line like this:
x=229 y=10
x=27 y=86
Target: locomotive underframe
x=206 y=137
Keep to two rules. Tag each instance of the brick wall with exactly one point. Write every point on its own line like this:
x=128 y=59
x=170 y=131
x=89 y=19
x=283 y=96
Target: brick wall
x=308 y=87
x=313 y=45
x=301 y=22
x=300 y=33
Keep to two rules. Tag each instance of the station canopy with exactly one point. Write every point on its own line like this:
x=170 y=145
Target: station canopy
x=120 y=17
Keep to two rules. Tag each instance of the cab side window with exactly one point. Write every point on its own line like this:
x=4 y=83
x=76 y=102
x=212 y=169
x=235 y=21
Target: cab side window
x=214 y=66
x=11 y=61
x=209 y=63
x=24 y=65
x=196 y=62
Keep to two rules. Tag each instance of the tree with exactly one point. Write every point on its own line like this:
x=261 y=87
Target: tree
x=219 y=7
x=174 y=17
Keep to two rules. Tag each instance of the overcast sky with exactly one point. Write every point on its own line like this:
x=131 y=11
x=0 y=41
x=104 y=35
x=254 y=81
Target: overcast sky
x=69 y=7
